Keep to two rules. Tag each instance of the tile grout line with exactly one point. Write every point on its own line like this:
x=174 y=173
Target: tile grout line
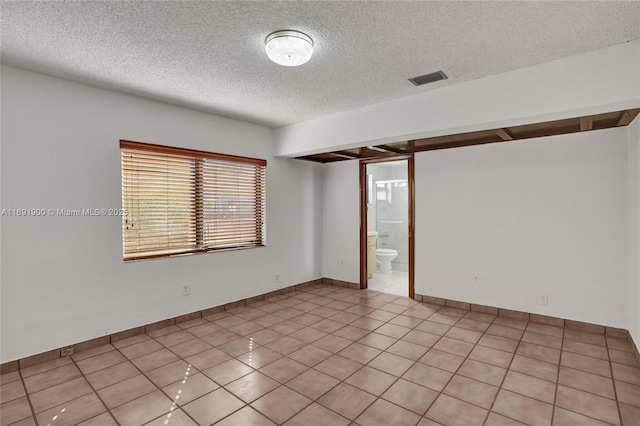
x=507 y=368
x=397 y=378
x=27 y=394
x=555 y=394
x=490 y=410
x=141 y=373
x=557 y=384
x=73 y=361
x=248 y=404
x=586 y=390
x=467 y=357
x=558 y=365
x=307 y=287
x=363 y=365
x=343 y=381
x=312 y=367
x=363 y=303
x=453 y=374
x=316 y=400
x=316 y=283
x=93 y=390
x=388 y=321
x=82 y=375
x=220 y=386
x=524 y=331
x=613 y=382
x=162 y=345
x=174 y=404
x=153 y=338
x=127 y=359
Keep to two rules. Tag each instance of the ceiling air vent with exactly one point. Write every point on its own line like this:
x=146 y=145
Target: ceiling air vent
x=428 y=78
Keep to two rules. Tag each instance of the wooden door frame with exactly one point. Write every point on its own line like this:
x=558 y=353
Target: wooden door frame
x=363 y=217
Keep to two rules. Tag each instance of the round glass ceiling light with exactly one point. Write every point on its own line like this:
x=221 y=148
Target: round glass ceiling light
x=289 y=48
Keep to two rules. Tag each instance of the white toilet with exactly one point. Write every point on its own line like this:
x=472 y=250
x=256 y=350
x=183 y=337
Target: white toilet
x=385 y=256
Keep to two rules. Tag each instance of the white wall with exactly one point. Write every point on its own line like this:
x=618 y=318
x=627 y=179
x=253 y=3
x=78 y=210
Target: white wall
x=63 y=278
x=541 y=216
x=599 y=81
x=341 y=221
x=634 y=230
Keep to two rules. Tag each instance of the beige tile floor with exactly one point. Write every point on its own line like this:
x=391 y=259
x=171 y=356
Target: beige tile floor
x=397 y=282
x=333 y=356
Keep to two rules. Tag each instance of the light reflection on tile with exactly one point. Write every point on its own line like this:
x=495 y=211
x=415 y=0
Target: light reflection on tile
x=176 y=398
x=402 y=358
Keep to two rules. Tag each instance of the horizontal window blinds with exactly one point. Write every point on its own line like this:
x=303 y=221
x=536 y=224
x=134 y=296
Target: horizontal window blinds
x=179 y=201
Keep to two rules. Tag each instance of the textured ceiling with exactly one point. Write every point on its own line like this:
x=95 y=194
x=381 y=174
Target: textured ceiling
x=210 y=56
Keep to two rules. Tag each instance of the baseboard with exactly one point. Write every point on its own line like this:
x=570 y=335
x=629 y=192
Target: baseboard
x=61 y=352
x=68 y=350
x=526 y=316
x=635 y=347
x=340 y=283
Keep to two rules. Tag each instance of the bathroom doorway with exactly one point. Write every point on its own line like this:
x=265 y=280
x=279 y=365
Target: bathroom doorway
x=386 y=217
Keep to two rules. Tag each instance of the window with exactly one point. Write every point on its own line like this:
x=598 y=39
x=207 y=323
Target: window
x=179 y=201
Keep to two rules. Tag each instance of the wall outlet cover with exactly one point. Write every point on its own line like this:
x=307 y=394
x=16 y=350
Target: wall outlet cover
x=67 y=351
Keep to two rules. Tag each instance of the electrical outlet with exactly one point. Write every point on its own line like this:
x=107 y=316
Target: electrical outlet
x=277 y=277
x=186 y=290
x=342 y=263
x=544 y=299
x=67 y=351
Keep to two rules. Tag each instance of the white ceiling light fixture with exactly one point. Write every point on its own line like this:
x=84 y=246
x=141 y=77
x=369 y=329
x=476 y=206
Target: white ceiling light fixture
x=289 y=48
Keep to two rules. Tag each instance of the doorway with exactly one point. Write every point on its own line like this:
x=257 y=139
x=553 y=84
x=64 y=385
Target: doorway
x=387 y=225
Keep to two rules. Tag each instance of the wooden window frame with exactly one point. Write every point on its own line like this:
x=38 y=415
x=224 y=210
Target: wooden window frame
x=199 y=184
